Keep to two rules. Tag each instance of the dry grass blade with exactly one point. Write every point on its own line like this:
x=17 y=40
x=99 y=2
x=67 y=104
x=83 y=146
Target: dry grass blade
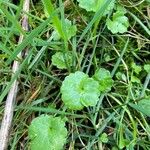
x=9 y=107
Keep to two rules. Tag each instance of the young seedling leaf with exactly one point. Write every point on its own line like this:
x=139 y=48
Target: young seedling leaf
x=47 y=133
x=78 y=90
x=62 y=59
x=94 y=5
x=104 y=78
x=69 y=29
x=49 y=9
x=119 y=23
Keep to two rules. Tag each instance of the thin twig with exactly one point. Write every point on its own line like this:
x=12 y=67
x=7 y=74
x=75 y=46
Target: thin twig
x=9 y=106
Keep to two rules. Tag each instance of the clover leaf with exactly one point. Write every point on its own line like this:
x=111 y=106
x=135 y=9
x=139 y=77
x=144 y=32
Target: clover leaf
x=47 y=133
x=94 y=5
x=70 y=30
x=78 y=90
x=61 y=59
x=119 y=23
x=104 y=78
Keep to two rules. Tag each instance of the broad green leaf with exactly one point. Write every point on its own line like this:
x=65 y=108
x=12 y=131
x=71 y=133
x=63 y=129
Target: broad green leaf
x=69 y=29
x=142 y=106
x=78 y=90
x=147 y=68
x=94 y=5
x=104 y=78
x=62 y=59
x=119 y=22
x=137 y=69
x=47 y=133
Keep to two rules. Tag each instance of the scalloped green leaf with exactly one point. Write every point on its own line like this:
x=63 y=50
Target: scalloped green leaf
x=61 y=60
x=104 y=78
x=94 y=5
x=47 y=133
x=119 y=22
x=79 y=91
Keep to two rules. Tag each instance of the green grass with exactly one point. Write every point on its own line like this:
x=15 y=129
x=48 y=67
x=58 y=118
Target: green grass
x=93 y=47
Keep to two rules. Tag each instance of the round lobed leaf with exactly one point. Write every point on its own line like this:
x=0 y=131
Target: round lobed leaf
x=94 y=5
x=47 y=133
x=61 y=60
x=104 y=78
x=119 y=23
x=78 y=90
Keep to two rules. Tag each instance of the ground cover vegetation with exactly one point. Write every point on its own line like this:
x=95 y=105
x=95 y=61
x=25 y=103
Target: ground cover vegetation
x=83 y=78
